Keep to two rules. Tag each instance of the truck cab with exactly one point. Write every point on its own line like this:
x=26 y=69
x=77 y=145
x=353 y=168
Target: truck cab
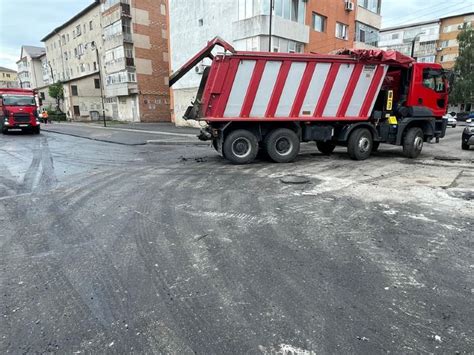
x=416 y=99
x=19 y=110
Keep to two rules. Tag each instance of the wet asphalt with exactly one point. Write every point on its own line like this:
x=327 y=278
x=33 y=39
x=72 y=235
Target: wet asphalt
x=113 y=248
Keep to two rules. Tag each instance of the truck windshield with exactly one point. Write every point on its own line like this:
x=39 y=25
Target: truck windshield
x=19 y=100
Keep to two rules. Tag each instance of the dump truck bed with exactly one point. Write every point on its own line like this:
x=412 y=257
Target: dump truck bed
x=277 y=87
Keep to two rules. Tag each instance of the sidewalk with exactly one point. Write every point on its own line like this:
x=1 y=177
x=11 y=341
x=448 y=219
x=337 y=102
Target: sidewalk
x=129 y=134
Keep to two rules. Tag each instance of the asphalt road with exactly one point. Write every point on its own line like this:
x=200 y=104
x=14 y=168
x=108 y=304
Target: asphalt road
x=114 y=248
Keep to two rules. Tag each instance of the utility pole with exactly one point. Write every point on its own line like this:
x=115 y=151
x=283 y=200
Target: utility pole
x=101 y=81
x=271 y=23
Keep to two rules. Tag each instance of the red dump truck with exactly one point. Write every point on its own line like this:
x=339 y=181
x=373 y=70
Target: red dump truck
x=255 y=101
x=19 y=110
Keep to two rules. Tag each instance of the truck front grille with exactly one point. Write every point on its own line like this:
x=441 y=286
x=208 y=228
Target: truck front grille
x=21 y=117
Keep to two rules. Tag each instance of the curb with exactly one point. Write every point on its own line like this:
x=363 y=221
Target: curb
x=92 y=139
x=161 y=142
x=184 y=135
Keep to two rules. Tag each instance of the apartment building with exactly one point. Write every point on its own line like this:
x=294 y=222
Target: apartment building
x=332 y=25
x=368 y=22
x=8 y=78
x=113 y=53
x=136 y=59
x=424 y=36
x=73 y=50
x=448 y=46
x=29 y=67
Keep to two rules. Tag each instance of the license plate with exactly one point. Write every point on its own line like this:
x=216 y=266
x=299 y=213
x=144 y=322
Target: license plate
x=24 y=125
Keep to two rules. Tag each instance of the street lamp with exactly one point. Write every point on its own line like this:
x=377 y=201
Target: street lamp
x=96 y=48
x=413 y=44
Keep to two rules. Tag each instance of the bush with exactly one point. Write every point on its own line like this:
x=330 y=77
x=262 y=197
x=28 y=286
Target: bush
x=57 y=116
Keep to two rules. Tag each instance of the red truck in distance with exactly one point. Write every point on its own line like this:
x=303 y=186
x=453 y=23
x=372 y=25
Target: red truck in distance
x=255 y=101
x=19 y=110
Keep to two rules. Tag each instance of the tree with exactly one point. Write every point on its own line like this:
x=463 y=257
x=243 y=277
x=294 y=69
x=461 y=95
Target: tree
x=463 y=89
x=56 y=91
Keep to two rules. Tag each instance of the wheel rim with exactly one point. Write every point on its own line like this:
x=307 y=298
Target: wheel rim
x=241 y=147
x=418 y=143
x=364 y=145
x=283 y=146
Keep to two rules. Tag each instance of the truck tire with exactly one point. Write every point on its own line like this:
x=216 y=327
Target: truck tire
x=360 y=144
x=413 y=143
x=326 y=147
x=282 y=145
x=4 y=131
x=240 y=147
x=465 y=146
x=36 y=130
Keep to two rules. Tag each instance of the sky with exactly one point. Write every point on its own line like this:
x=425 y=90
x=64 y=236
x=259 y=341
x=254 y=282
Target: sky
x=40 y=17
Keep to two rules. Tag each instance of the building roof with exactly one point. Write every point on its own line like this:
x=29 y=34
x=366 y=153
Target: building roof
x=73 y=19
x=424 y=22
x=409 y=25
x=458 y=15
x=33 y=52
x=7 y=70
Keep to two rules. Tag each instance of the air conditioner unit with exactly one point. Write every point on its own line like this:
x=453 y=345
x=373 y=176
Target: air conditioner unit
x=349 y=6
x=439 y=49
x=460 y=27
x=200 y=69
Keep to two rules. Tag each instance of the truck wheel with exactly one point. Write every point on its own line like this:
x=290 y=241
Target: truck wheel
x=326 y=147
x=413 y=142
x=360 y=144
x=36 y=130
x=465 y=146
x=282 y=145
x=240 y=147
x=4 y=131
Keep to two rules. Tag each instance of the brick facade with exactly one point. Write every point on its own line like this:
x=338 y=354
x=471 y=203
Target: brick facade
x=334 y=11
x=154 y=93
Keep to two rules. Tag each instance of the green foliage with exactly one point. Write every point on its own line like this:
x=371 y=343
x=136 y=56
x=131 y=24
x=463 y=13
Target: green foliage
x=56 y=91
x=463 y=90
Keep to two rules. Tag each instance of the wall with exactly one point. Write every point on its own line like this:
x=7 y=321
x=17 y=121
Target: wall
x=88 y=98
x=325 y=42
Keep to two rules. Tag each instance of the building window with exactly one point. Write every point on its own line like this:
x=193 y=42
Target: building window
x=42 y=96
x=91 y=25
x=293 y=10
x=342 y=31
x=371 y=5
x=97 y=83
x=74 y=91
x=319 y=22
x=95 y=65
x=77 y=111
x=201 y=22
x=366 y=34
x=78 y=30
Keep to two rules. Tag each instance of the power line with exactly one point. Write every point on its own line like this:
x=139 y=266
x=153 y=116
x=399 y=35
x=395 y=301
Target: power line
x=413 y=18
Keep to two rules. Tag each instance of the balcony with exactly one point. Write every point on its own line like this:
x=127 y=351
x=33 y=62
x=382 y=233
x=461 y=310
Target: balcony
x=121 y=89
x=117 y=40
x=259 y=25
x=119 y=64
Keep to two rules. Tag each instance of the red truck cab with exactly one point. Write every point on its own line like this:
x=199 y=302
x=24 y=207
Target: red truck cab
x=19 y=110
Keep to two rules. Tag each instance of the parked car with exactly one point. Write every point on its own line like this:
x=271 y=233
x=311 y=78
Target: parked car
x=452 y=119
x=470 y=118
x=468 y=136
